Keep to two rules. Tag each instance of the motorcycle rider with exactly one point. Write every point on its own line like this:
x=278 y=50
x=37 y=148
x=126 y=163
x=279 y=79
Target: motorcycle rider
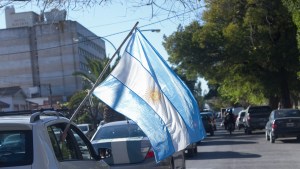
x=229 y=118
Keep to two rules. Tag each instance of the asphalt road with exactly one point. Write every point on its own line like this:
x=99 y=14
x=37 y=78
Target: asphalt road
x=241 y=151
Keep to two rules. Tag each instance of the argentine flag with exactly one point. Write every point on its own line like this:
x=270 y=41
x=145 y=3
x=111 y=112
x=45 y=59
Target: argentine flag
x=145 y=89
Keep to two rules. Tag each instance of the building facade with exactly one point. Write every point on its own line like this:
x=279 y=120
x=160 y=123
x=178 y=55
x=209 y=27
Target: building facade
x=40 y=53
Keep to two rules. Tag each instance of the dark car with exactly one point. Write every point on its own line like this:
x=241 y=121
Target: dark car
x=212 y=118
x=256 y=118
x=283 y=123
x=207 y=123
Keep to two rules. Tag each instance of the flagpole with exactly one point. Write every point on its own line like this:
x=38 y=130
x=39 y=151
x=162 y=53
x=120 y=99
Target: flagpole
x=97 y=82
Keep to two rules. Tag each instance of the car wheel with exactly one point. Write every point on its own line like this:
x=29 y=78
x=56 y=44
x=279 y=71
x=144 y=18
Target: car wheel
x=267 y=136
x=298 y=138
x=195 y=150
x=190 y=152
x=272 y=139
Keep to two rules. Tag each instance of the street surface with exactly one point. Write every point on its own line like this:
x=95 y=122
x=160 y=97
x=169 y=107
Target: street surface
x=241 y=151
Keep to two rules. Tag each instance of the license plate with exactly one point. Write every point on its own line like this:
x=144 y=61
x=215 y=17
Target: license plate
x=262 y=124
x=289 y=124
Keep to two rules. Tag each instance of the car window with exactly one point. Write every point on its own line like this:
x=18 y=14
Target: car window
x=260 y=111
x=83 y=128
x=205 y=116
x=287 y=113
x=72 y=148
x=243 y=114
x=119 y=131
x=16 y=148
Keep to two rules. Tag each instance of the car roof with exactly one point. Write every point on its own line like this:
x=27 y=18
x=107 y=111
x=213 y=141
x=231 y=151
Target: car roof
x=30 y=117
x=117 y=123
x=84 y=124
x=285 y=110
x=208 y=113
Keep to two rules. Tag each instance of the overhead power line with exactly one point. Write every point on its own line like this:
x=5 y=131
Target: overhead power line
x=98 y=37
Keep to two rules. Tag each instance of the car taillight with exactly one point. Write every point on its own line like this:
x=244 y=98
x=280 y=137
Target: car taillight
x=274 y=126
x=150 y=154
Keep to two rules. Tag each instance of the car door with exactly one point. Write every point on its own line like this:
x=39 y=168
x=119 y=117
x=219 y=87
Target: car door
x=75 y=151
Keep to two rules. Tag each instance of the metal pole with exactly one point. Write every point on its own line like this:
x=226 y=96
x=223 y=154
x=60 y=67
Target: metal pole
x=96 y=83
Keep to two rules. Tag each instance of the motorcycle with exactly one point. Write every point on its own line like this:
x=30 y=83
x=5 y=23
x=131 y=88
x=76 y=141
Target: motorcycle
x=230 y=128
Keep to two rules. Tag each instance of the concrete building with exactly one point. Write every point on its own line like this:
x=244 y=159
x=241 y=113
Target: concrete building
x=40 y=53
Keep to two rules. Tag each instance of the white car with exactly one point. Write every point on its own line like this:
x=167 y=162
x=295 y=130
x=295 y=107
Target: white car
x=34 y=141
x=239 y=123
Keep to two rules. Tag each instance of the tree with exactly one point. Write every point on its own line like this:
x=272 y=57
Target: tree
x=247 y=48
x=94 y=106
x=294 y=7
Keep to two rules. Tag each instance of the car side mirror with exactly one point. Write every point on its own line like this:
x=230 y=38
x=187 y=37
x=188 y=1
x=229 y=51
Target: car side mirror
x=104 y=153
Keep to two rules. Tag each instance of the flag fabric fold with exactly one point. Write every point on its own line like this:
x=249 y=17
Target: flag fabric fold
x=145 y=89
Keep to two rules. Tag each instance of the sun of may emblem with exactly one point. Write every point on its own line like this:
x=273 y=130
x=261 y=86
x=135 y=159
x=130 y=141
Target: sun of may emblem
x=154 y=96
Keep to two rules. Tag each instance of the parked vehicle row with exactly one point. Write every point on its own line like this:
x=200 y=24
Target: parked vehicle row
x=278 y=123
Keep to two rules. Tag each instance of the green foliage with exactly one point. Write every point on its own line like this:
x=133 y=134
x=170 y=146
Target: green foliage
x=245 y=47
x=91 y=111
x=294 y=8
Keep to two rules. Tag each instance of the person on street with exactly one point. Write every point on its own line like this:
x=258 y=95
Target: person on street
x=229 y=118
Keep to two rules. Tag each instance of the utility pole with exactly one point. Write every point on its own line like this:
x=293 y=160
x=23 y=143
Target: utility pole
x=50 y=95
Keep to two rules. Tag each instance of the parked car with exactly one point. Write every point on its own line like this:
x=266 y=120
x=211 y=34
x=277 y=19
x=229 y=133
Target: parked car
x=256 y=118
x=129 y=146
x=34 y=141
x=85 y=127
x=283 y=123
x=212 y=118
x=207 y=123
x=239 y=123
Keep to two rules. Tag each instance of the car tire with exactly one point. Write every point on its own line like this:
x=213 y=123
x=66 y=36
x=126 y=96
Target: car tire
x=267 y=136
x=272 y=139
x=298 y=138
x=195 y=150
x=190 y=152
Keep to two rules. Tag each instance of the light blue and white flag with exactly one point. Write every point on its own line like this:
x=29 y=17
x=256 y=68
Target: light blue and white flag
x=145 y=89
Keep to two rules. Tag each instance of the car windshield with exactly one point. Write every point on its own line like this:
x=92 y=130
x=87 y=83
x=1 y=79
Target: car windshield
x=205 y=116
x=257 y=111
x=119 y=131
x=287 y=113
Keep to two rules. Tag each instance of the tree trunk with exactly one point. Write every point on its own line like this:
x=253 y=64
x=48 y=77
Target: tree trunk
x=273 y=101
x=284 y=89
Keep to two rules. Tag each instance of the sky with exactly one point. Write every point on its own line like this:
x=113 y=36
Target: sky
x=114 y=21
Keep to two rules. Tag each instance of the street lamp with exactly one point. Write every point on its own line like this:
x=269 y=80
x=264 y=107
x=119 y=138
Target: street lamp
x=151 y=30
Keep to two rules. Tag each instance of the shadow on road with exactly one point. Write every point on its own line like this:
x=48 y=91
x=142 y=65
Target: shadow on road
x=223 y=155
x=224 y=142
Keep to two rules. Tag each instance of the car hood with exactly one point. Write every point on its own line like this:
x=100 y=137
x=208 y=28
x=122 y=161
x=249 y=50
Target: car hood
x=124 y=150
